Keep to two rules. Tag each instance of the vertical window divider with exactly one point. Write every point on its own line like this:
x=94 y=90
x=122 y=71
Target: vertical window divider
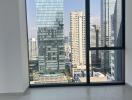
x=87 y=11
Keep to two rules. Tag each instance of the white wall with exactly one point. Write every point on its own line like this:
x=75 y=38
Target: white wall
x=128 y=42
x=13 y=47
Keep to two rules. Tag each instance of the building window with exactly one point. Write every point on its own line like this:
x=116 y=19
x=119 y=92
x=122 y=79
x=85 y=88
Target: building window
x=106 y=49
x=72 y=44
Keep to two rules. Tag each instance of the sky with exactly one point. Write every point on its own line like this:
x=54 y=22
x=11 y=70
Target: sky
x=69 y=5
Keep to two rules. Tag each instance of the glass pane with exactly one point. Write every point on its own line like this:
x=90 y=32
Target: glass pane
x=56 y=41
x=106 y=65
x=105 y=23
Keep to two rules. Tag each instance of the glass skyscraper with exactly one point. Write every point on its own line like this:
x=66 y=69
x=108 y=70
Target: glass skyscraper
x=111 y=37
x=107 y=11
x=50 y=35
x=117 y=29
x=107 y=36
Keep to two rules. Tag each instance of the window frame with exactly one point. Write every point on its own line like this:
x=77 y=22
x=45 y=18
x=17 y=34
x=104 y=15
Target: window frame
x=88 y=48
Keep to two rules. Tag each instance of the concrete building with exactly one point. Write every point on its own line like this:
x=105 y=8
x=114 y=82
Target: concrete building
x=78 y=38
x=49 y=15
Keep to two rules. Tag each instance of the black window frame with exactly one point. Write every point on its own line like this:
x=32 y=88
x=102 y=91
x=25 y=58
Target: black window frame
x=88 y=48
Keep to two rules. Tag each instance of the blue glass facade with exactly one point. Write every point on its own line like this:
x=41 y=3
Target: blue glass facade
x=51 y=56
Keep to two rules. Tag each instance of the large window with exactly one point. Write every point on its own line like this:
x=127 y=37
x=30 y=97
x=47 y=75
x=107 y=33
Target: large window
x=74 y=42
x=106 y=41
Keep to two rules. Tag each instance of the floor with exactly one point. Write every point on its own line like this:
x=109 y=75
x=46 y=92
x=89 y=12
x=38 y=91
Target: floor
x=74 y=93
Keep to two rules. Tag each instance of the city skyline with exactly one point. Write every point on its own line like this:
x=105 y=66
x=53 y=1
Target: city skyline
x=61 y=41
x=69 y=6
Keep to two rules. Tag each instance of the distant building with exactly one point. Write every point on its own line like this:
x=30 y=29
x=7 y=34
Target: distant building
x=50 y=78
x=79 y=74
x=67 y=49
x=92 y=37
x=78 y=38
x=107 y=36
x=51 y=56
x=111 y=36
x=107 y=10
x=33 y=52
x=117 y=29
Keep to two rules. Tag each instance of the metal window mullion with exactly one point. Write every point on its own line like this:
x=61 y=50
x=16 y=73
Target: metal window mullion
x=106 y=48
x=87 y=10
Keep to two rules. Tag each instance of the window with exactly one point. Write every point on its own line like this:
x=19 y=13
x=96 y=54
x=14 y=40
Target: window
x=106 y=41
x=75 y=42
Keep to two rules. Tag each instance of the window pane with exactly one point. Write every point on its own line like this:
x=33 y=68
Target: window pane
x=106 y=65
x=57 y=48
x=106 y=23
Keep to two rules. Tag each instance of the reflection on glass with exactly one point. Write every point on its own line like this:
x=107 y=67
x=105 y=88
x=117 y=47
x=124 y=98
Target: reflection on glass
x=106 y=23
x=106 y=65
x=57 y=45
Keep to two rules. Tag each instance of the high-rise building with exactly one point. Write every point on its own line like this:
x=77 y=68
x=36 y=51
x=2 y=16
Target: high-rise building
x=107 y=37
x=107 y=10
x=111 y=34
x=78 y=38
x=33 y=53
x=117 y=29
x=67 y=49
x=92 y=37
x=49 y=16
